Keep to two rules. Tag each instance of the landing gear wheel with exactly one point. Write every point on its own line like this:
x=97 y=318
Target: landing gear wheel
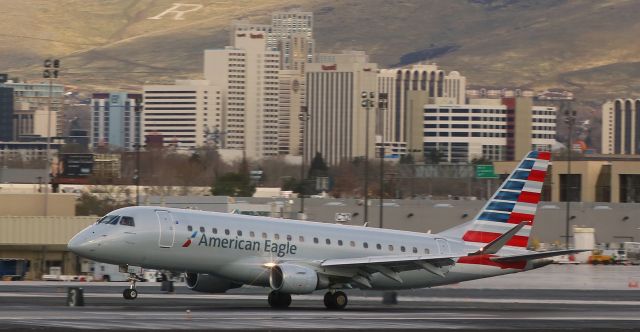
x=130 y=294
x=335 y=300
x=279 y=300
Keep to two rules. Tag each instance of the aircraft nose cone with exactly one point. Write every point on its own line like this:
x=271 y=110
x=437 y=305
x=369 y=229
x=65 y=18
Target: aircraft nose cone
x=79 y=245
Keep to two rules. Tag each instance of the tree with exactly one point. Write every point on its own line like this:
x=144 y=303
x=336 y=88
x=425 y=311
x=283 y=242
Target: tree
x=236 y=184
x=233 y=184
x=318 y=166
x=435 y=156
x=407 y=159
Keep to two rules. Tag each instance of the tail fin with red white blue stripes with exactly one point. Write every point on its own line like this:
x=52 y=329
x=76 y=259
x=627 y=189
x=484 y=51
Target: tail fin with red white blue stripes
x=514 y=202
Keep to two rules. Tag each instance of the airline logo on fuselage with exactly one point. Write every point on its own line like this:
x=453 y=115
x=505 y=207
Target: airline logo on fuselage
x=279 y=249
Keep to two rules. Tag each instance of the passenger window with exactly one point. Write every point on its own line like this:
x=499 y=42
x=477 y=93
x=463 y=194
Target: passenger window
x=201 y=229
x=239 y=233
x=315 y=240
x=214 y=230
x=379 y=246
x=339 y=242
x=426 y=251
x=301 y=238
x=264 y=235
x=252 y=234
x=127 y=221
x=365 y=245
x=352 y=243
x=390 y=247
x=276 y=236
x=328 y=241
x=289 y=237
x=226 y=231
x=415 y=250
x=403 y=249
x=189 y=228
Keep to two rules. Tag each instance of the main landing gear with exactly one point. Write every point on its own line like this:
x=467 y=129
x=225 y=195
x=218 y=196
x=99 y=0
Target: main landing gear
x=279 y=300
x=335 y=300
x=131 y=293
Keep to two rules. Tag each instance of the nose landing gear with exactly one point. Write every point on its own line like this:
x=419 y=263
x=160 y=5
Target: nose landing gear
x=131 y=293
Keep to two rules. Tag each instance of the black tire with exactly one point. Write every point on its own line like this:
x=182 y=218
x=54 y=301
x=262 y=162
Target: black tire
x=340 y=300
x=279 y=300
x=130 y=294
x=328 y=300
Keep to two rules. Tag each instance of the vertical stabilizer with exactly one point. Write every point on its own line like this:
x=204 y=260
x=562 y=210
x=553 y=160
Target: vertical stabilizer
x=514 y=202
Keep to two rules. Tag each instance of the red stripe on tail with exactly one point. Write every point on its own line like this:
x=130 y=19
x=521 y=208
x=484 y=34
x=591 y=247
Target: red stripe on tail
x=529 y=197
x=486 y=237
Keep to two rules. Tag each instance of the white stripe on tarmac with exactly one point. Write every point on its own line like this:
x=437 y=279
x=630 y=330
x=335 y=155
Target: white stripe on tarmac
x=355 y=298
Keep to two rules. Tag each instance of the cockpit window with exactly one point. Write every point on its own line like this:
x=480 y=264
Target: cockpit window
x=109 y=219
x=127 y=221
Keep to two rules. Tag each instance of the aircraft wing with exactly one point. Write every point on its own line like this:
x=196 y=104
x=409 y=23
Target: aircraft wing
x=359 y=269
x=536 y=255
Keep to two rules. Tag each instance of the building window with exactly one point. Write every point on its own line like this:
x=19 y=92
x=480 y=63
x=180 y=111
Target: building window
x=571 y=185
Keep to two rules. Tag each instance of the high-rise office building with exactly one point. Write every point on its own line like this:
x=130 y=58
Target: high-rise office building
x=31 y=108
x=116 y=120
x=337 y=126
x=431 y=83
x=290 y=104
x=293 y=35
x=248 y=75
x=183 y=114
x=621 y=126
x=494 y=129
x=6 y=114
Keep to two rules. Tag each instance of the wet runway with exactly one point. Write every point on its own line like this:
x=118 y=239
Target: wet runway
x=42 y=305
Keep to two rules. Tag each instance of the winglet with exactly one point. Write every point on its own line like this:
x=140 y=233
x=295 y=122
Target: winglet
x=497 y=244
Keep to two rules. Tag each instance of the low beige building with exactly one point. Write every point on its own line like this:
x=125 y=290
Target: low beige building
x=42 y=241
x=615 y=181
x=34 y=204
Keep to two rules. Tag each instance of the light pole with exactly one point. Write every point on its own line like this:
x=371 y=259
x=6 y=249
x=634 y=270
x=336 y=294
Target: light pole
x=570 y=120
x=368 y=100
x=304 y=117
x=138 y=123
x=50 y=72
x=382 y=106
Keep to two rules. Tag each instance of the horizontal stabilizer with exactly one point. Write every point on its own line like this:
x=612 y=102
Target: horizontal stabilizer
x=497 y=244
x=537 y=255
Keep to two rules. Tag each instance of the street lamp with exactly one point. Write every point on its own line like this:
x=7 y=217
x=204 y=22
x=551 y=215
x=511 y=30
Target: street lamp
x=368 y=101
x=304 y=117
x=570 y=120
x=50 y=71
x=136 y=176
x=382 y=106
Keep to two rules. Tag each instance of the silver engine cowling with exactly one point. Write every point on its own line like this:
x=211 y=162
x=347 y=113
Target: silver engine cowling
x=296 y=279
x=206 y=283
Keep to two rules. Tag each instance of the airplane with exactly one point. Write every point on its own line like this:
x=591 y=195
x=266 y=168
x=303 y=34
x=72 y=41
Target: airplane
x=222 y=251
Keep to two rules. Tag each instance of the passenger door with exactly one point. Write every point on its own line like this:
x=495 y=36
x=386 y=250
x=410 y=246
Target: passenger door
x=167 y=229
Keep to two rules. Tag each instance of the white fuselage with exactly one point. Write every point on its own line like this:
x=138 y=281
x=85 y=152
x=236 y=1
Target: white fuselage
x=240 y=248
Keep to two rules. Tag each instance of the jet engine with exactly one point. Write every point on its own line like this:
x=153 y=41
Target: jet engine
x=207 y=283
x=296 y=279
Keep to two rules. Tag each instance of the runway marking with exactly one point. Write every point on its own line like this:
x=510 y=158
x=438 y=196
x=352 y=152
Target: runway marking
x=319 y=297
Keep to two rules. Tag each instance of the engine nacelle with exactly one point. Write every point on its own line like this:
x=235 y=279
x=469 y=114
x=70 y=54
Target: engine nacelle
x=296 y=279
x=206 y=283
